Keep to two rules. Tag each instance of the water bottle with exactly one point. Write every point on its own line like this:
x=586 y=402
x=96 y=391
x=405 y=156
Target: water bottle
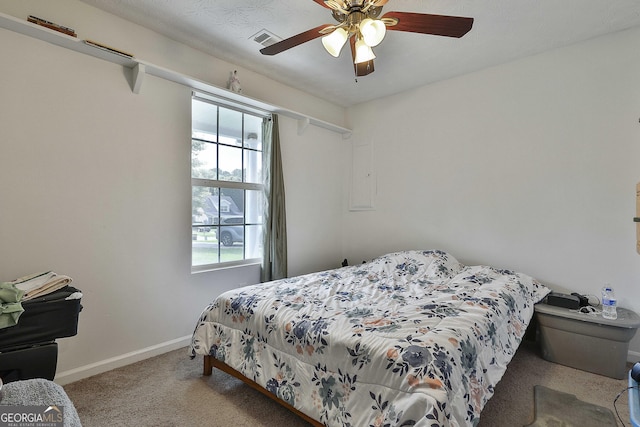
x=609 y=303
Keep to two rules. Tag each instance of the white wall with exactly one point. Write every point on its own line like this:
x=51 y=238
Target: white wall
x=314 y=192
x=95 y=183
x=530 y=165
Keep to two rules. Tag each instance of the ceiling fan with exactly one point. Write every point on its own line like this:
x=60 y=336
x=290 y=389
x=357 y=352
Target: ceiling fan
x=358 y=22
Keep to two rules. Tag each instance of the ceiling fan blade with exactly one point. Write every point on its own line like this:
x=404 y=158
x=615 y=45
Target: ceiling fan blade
x=363 y=68
x=373 y=3
x=337 y=5
x=294 y=41
x=379 y=3
x=321 y=3
x=439 y=25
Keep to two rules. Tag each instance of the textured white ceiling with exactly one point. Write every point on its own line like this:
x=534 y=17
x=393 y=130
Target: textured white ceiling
x=503 y=30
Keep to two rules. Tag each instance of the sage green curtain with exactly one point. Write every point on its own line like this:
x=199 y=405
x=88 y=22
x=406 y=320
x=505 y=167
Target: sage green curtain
x=274 y=263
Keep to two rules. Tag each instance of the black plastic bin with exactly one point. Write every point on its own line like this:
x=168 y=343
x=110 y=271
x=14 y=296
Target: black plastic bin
x=38 y=361
x=28 y=349
x=44 y=319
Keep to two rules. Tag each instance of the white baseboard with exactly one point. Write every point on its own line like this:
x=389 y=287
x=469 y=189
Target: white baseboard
x=86 y=371
x=633 y=356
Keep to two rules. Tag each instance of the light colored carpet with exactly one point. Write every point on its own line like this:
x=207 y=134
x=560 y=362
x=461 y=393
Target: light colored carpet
x=513 y=402
x=169 y=390
x=555 y=409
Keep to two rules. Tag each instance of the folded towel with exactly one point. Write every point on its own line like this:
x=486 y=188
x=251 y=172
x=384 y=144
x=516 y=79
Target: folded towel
x=39 y=284
x=33 y=281
x=10 y=306
x=51 y=286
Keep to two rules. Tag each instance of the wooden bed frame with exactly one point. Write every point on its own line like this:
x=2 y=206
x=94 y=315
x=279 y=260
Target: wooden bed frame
x=211 y=362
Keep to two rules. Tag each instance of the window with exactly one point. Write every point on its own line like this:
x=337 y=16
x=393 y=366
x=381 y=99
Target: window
x=226 y=186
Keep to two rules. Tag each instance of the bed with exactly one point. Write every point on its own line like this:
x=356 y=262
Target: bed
x=410 y=338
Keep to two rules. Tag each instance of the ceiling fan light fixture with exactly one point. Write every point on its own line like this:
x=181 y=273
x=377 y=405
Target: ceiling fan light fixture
x=373 y=31
x=360 y=22
x=364 y=53
x=334 y=41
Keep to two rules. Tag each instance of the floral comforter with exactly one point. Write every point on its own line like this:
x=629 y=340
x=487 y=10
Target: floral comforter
x=411 y=338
